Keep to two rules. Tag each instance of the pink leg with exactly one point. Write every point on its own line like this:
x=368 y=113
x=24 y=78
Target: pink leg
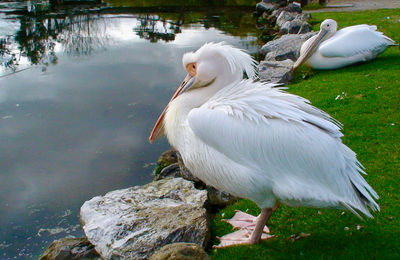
x=258 y=230
x=242 y=220
x=248 y=233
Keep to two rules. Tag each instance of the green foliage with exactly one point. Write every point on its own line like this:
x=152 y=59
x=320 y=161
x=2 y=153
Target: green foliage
x=365 y=98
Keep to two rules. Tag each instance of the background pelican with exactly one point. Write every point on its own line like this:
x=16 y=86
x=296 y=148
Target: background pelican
x=331 y=49
x=256 y=141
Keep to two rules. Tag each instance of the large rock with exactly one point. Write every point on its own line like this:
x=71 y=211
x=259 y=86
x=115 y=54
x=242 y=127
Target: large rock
x=286 y=47
x=219 y=198
x=133 y=223
x=295 y=26
x=186 y=174
x=291 y=22
x=276 y=71
x=215 y=197
x=180 y=251
x=70 y=248
x=293 y=8
x=262 y=7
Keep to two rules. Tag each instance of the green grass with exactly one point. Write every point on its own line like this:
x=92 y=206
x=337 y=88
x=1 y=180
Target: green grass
x=370 y=112
x=313 y=6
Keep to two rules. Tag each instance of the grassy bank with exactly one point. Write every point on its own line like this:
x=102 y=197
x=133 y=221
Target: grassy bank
x=366 y=99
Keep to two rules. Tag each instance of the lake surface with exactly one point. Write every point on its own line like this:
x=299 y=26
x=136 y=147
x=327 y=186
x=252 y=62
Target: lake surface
x=80 y=89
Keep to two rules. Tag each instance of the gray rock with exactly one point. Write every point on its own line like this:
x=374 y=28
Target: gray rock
x=262 y=7
x=289 y=22
x=304 y=28
x=185 y=173
x=293 y=8
x=275 y=14
x=167 y=158
x=133 y=223
x=286 y=47
x=215 y=197
x=304 y=17
x=171 y=171
x=284 y=17
x=171 y=164
x=296 y=26
x=219 y=198
x=181 y=251
x=276 y=71
x=70 y=248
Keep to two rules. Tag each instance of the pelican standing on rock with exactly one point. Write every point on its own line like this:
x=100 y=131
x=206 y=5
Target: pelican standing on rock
x=258 y=142
x=332 y=49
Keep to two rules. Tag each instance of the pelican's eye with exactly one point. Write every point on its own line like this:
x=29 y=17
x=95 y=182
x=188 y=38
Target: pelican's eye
x=327 y=25
x=191 y=68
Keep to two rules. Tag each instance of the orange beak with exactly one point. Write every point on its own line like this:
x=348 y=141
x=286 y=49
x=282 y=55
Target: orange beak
x=158 y=129
x=310 y=49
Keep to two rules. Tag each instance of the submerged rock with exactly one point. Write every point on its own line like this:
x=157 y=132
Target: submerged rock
x=133 y=223
x=181 y=251
x=286 y=47
x=70 y=248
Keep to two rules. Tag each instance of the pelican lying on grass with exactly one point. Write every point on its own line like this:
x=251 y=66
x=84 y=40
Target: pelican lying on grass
x=331 y=49
x=258 y=142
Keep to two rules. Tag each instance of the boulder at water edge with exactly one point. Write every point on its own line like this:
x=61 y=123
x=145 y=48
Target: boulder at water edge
x=286 y=47
x=133 y=223
x=180 y=251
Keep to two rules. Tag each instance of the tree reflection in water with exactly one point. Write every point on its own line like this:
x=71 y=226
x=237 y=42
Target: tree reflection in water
x=45 y=28
x=155 y=28
x=39 y=33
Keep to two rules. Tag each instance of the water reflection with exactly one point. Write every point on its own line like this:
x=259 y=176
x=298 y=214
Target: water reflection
x=42 y=25
x=154 y=28
x=79 y=129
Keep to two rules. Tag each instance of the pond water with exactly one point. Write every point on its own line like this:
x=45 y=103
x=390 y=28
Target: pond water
x=80 y=89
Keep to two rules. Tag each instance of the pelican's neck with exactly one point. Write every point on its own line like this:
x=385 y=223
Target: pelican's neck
x=175 y=121
x=197 y=97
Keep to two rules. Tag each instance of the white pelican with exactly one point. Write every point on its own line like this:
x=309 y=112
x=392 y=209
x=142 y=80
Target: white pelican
x=331 y=49
x=258 y=142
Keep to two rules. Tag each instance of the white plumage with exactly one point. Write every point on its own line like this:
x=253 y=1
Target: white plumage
x=332 y=49
x=256 y=141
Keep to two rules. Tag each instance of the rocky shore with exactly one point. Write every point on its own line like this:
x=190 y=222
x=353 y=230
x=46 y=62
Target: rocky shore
x=169 y=217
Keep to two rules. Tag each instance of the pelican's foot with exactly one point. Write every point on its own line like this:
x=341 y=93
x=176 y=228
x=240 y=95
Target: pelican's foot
x=240 y=237
x=246 y=224
x=242 y=220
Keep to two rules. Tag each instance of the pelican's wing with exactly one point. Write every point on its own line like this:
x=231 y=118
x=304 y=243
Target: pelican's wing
x=355 y=40
x=295 y=145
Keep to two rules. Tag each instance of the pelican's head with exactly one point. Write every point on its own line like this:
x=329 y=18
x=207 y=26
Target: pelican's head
x=327 y=29
x=213 y=66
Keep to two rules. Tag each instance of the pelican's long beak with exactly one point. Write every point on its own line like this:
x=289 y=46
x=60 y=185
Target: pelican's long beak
x=311 y=48
x=158 y=129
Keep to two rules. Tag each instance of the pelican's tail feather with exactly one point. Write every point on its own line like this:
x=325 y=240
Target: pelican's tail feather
x=364 y=193
x=390 y=41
